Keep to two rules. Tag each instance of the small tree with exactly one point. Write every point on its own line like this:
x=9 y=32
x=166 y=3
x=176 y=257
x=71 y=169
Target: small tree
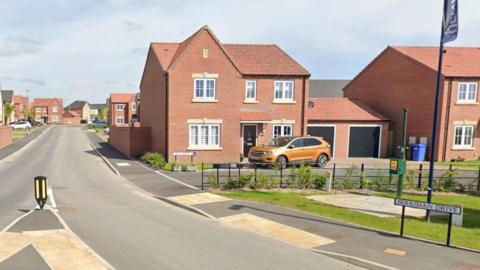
x=32 y=113
x=8 y=109
x=102 y=113
x=26 y=112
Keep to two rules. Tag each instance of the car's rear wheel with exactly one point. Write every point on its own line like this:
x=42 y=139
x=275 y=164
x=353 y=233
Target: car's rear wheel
x=282 y=162
x=322 y=160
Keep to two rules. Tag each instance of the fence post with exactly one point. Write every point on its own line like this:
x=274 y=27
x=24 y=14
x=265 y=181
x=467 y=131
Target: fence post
x=239 y=174
x=362 y=169
x=202 y=175
x=218 y=176
x=478 y=179
x=255 y=173
x=229 y=171
x=281 y=177
x=333 y=175
x=419 y=185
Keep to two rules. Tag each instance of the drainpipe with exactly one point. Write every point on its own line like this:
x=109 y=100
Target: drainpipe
x=302 y=128
x=447 y=120
x=166 y=116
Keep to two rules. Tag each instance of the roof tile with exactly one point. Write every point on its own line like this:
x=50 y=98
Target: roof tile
x=344 y=110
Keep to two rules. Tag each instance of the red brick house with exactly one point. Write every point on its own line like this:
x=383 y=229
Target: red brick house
x=219 y=99
x=79 y=107
x=22 y=107
x=48 y=110
x=71 y=117
x=352 y=128
x=122 y=109
x=404 y=77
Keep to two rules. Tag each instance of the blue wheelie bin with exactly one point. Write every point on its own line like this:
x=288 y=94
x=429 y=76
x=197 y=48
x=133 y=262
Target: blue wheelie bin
x=419 y=151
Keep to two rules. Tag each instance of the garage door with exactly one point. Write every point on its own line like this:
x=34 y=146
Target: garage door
x=364 y=142
x=327 y=132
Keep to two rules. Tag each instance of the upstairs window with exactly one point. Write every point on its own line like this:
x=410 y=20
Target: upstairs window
x=463 y=136
x=120 y=107
x=204 y=89
x=54 y=109
x=467 y=92
x=134 y=106
x=284 y=90
x=38 y=109
x=251 y=91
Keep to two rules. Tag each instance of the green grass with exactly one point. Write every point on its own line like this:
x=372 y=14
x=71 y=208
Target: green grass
x=20 y=133
x=467 y=236
x=466 y=163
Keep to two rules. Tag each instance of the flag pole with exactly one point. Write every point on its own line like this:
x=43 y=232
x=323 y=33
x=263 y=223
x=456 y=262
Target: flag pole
x=435 y=112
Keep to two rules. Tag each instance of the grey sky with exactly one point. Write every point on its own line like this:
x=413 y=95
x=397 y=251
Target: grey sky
x=87 y=48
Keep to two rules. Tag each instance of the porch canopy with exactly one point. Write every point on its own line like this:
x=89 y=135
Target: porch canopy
x=255 y=117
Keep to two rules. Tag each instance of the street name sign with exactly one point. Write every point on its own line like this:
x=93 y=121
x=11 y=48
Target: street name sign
x=449 y=209
x=184 y=153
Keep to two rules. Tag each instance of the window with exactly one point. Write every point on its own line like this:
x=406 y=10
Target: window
x=463 y=136
x=205 y=136
x=120 y=107
x=204 y=89
x=251 y=91
x=311 y=142
x=283 y=90
x=467 y=92
x=55 y=118
x=38 y=109
x=119 y=120
x=298 y=143
x=134 y=106
x=282 y=130
x=54 y=109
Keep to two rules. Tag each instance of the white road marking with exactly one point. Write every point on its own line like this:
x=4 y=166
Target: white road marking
x=123 y=164
x=52 y=199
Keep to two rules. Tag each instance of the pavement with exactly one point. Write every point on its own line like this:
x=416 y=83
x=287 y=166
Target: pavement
x=110 y=222
x=362 y=246
x=17 y=145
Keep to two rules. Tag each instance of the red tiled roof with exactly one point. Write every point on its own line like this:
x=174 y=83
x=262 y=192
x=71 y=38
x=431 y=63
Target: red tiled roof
x=72 y=114
x=20 y=99
x=255 y=116
x=249 y=59
x=45 y=102
x=457 y=61
x=122 y=97
x=341 y=109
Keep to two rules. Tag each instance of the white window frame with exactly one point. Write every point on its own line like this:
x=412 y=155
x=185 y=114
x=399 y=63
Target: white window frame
x=254 y=98
x=55 y=118
x=38 y=109
x=117 y=107
x=204 y=96
x=463 y=129
x=468 y=89
x=118 y=118
x=54 y=109
x=283 y=90
x=134 y=106
x=202 y=140
x=282 y=130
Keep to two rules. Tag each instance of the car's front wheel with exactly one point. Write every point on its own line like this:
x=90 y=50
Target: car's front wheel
x=322 y=160
x=282 y=162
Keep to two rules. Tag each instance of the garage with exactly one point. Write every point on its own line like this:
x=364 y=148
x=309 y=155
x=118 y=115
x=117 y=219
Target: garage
x=353 y=129
x=364 y=141
x=325 y=131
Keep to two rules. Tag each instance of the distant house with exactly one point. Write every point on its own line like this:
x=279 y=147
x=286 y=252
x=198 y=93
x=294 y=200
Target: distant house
x=326 y=88
x=405 y=77
x=22 y=107
x=48 y=110
x=7 y=98
x=81 y=107
x=95 y=110
x=122 y=109
x=71 y=118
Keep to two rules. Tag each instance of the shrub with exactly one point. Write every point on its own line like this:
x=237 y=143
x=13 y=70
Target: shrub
x=232 y=183
x=213 y=181
x=155 y=160
x=169 y=166
x=319 y=181
x=347 y=182
x=447 y=180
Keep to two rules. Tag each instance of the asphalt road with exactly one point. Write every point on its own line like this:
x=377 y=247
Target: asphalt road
x=128 y=228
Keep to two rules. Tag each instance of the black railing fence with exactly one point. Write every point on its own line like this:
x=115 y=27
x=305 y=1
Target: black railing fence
x=362 y=176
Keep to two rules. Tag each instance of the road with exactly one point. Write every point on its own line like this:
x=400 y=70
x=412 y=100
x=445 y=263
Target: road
x=127 y=228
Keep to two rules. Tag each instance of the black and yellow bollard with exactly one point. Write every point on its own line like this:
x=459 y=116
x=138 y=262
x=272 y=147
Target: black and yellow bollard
x=41 y=190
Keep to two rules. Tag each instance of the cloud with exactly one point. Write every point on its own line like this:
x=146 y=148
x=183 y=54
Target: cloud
x=132 y=26
x=33 y=81
x=13 y=46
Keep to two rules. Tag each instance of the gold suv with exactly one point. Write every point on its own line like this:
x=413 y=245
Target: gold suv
x=289 y=150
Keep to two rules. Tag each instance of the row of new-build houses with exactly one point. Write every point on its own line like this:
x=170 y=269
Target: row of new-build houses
x=218 y=100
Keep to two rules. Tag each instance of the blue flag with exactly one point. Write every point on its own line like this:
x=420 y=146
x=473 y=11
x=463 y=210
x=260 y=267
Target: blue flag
x=450 y=21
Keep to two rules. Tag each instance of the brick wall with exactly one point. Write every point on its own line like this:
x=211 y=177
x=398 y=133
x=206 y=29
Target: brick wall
x=130 y=141
x=6 y=136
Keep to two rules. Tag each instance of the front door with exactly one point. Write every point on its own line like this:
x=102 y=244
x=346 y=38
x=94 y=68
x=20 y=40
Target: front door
x=249 y=138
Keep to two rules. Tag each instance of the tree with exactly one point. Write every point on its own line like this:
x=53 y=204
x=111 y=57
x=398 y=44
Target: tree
x=32 y=113
x=26 y=112
x=102 y=113
x=8 y=109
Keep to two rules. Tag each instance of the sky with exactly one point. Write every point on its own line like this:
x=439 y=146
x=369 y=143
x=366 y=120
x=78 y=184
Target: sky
x=86 y=49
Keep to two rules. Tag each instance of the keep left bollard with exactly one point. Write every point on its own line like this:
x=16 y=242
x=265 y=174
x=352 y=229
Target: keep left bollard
x=41 y=189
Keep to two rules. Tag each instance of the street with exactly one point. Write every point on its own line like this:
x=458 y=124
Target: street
x=126 y=227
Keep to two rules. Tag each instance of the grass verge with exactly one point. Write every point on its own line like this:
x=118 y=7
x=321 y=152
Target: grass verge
x=467 y=163
x=468 y=236
x=20 y=133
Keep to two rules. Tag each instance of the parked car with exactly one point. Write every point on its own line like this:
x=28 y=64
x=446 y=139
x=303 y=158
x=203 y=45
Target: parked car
x=106 y=131
x=99 y=123
x=290 y=150
x=21 y=125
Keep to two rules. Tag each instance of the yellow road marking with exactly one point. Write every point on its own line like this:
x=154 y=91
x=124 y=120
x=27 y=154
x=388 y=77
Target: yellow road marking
x=277 y=230
x=395 y=252
x=198 y=198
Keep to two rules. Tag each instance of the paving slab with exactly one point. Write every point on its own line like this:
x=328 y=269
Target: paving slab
x=198 y=198
x=15 y=146
x=11 y=243
x=372 y=205
x=26 y=259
